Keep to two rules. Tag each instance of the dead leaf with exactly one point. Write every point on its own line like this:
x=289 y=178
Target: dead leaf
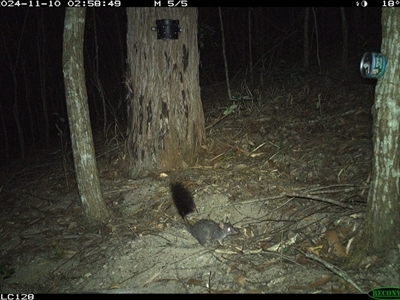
x=240 y=280
x=335 y=246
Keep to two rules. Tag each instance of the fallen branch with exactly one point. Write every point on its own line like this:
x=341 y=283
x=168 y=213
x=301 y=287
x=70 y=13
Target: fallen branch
x=334 y=269
x=312 y=197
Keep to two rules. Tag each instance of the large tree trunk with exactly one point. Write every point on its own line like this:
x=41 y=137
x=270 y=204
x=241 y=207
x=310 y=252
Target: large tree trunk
x=87 y=177
x=381 y=232
x=165 y=114
x=383 y=210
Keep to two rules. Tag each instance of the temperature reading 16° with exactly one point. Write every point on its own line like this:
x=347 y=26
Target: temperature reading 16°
x=181 y=3
x=390 y=3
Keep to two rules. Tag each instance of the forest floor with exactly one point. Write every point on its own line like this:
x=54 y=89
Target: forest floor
x=288 y=163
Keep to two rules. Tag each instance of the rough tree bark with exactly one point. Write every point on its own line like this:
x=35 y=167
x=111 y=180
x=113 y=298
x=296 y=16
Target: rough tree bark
x=165 y=114
x=381 y=232
x=94 y=208
x=383 y=210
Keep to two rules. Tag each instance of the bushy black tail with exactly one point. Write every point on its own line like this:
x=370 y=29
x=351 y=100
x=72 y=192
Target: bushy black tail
x=183 y=199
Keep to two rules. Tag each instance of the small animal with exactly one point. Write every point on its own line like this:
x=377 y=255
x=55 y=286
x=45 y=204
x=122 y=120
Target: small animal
x=203 y=230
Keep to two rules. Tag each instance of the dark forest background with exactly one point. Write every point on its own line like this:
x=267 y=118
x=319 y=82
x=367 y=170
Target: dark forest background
x=32 y=99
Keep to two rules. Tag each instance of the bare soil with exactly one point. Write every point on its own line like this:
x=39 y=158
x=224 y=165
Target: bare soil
x=289 y=163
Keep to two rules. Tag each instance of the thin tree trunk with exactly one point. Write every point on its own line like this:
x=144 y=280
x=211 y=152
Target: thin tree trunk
x=94 y=208
x=41 y=44
x=306 y=40
x=345 y=32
